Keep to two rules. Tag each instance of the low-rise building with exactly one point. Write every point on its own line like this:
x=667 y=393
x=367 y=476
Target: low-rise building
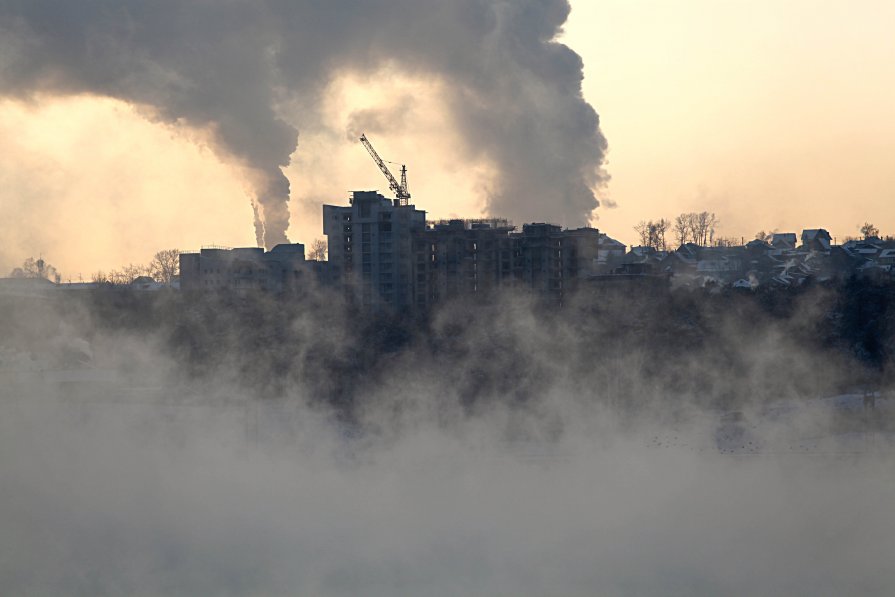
x=816 y=239
x=609 y=253
x=282 y=269
x=30 y=287
x=783 y=240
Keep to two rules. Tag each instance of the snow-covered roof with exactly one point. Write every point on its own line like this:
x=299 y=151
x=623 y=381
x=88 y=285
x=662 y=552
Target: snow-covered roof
x=784 y=238
x=817 y=235
x=813 y=233
x=26 y=286
x=757 y=244
x=611 y=242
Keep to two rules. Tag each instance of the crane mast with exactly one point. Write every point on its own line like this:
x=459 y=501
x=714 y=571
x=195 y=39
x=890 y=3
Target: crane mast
x=400 y=189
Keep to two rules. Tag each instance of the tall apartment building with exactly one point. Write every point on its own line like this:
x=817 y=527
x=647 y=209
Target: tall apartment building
x=468 y=258
x=555 y=261
x=384 y=255
x=474 y=258
x=371 y=250
x=282 y=269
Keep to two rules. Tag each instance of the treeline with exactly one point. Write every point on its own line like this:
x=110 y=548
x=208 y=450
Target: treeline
x=164 y=267
x=701 y=228
x=695 y=227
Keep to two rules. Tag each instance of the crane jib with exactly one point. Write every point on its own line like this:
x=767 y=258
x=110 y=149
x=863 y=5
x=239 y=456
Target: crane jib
x=400 y=189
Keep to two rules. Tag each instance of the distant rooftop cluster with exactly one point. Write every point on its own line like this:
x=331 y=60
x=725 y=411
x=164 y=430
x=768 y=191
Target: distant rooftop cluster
x=779 y=261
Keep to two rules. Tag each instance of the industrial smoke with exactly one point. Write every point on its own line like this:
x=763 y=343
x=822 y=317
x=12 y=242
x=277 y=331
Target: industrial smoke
x=512 y=91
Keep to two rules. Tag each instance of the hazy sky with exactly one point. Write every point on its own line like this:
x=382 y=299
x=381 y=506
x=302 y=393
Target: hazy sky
x=774 y=114
x=771 y=114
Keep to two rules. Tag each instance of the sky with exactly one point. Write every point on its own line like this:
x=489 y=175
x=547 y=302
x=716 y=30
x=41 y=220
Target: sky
x=773 y=115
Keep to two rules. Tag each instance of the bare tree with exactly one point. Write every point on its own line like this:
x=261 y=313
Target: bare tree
x=165 y=266
x=765 y=236
x=682 y=229
x=36 y=268
x=701 y=227
x=729 y=241
x=711 y=224
x=661 y=227
x=127 y=274
x=869 y=230
x=642 y=229
x=318 y=250
x=702 y=224
x=652 y=233
x=695 y=227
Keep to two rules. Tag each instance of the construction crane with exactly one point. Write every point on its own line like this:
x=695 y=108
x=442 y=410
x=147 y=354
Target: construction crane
x=400 y=189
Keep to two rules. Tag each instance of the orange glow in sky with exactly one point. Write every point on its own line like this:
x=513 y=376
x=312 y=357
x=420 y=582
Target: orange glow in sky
x=774 y=115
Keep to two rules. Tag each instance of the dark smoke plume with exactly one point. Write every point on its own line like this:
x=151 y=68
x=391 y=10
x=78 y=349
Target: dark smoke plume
x=225 y=67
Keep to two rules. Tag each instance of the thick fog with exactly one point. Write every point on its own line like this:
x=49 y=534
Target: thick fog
x=173 y=446
x=513 y=92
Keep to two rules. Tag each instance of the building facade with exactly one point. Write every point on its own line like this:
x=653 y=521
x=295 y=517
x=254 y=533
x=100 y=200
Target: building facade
x=282 y=269
x=371 y=250
x=465 y=258
x=384 y=255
